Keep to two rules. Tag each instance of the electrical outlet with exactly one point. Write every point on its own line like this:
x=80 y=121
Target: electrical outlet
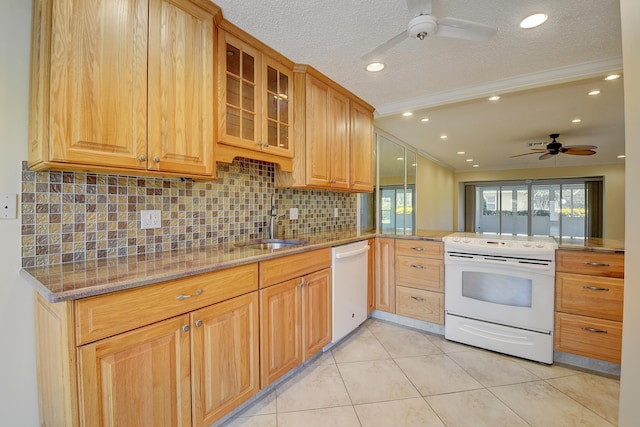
x=336 y=212
x=293 y=213
x=8 y=206
x=150 y=219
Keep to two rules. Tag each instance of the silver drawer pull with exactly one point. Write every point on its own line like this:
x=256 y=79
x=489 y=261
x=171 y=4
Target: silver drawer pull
x=419 y=267
x=594 y=288
x=419 y=249
x=594 y=330
x=418 y=298
x=595 y=264
x=181 y=297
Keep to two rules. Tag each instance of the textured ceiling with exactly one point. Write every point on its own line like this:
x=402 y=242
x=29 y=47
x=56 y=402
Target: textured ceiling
x=580 y=40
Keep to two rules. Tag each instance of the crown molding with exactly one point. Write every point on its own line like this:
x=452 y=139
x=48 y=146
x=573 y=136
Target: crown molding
x=512 y=84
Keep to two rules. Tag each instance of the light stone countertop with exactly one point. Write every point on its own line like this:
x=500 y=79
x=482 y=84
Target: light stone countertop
x=76 y=280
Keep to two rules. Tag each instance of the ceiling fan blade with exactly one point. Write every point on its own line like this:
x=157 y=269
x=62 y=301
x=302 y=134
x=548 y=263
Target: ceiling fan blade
x=579 y=152
x=545 y=156
x=419 y=7
x=526 y=154
x=462 y=29
x=384 y=46
x=579 y=147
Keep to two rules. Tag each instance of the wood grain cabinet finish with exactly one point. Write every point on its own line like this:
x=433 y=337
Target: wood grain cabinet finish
x=420 y=279
x=124 y=86
x=371 y=292
x=295 y=323
x=384 y=277
x=152 y=355
x=333 y=136
x=255 y=99
x=589 y=304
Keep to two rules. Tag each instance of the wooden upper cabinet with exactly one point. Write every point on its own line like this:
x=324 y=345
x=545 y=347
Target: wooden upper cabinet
x=255 y=92
x=116 y=84
x=89 y=83
x=181 y=75
x=333 y=136
x=361 y=154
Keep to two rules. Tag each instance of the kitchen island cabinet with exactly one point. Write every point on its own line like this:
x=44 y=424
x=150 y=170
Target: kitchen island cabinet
x=123 y=86
x=128 y=368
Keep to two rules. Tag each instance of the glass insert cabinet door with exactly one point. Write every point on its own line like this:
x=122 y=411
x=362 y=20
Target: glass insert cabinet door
x=277 y=92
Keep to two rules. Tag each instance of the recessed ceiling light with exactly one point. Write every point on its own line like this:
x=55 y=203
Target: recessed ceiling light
x=469 y=160
x=593 y=92
x=375 y=67
x=407 y=114
x=612 y=77
x=494 y=98
x=400 y=158
x=426 y=119
x=443 y=136
x=476 y=166
x=576 y=120
x=460 y=152
x=621 y=156
x=533 y=21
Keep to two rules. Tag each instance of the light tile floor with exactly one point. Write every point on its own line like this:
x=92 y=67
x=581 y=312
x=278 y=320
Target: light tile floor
x=388 y=375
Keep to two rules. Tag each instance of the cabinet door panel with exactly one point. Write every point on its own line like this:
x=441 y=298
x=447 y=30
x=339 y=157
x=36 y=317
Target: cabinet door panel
x=139 y=378
x=339 y=140
x=181 y=130
x=385 y=275
x=225 y=357
x=361 y=167
x=280 y=335
x=99 y=82
x=277 y=88
x=317 y=133
x=317 y=314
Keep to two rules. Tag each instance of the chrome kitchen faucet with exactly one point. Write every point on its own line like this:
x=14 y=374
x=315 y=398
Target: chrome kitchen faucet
x=273 y=219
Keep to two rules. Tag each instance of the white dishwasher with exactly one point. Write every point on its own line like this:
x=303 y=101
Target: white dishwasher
x=349 y=281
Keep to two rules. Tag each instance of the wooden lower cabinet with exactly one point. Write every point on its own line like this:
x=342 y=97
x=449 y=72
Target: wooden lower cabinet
x=371 y=292
x=420 y=304
x=295 y=323
x=384 y=277
x=225 y=357
x=138 y=378
x=588 y=336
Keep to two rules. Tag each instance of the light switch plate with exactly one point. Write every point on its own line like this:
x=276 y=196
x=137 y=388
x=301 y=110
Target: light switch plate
x=336 y=212
x=293 y=213
x=150 y=219
x=8 y=206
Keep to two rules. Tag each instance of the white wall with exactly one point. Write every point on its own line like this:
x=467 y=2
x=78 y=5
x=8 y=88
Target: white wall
x=630 y=378
x=18 y=391
x=434 y=190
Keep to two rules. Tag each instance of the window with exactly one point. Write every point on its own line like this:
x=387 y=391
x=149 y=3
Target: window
x=558 y=208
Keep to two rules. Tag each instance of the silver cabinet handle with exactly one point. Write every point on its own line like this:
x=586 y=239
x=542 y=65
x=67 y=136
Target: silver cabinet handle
x=198 y=323
x=185 y=328
x=142 y=158
x=156 y=159
x=308 y=284
x=182 y=297
x=419 y=249
x=594 y=330
x=301 y=284
x=594 y=288
x=595 y=264
x=418 y=298
x=419 y=267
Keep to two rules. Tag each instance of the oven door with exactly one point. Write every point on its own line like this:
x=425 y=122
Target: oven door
x=502 y=294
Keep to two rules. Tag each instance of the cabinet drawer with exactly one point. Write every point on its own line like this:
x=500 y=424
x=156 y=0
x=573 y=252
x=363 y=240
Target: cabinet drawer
x=420 y=304
x=288 y=267
x=419 y=273
x=105 y=315
x=420 y=248
x=590 y=295
x=588 y=336
x=591 y=263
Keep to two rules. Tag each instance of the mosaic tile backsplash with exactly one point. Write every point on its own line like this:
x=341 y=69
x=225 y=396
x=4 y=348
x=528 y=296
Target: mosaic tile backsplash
x=75 y=216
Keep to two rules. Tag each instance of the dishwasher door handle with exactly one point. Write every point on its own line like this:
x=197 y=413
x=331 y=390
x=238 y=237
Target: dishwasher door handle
x=341 y=255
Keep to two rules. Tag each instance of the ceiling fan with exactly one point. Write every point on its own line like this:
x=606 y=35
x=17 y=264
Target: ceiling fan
x=424 y=24
x=554 y=147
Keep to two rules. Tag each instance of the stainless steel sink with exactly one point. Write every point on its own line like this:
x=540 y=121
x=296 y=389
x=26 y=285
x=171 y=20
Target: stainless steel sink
x=270 y=244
